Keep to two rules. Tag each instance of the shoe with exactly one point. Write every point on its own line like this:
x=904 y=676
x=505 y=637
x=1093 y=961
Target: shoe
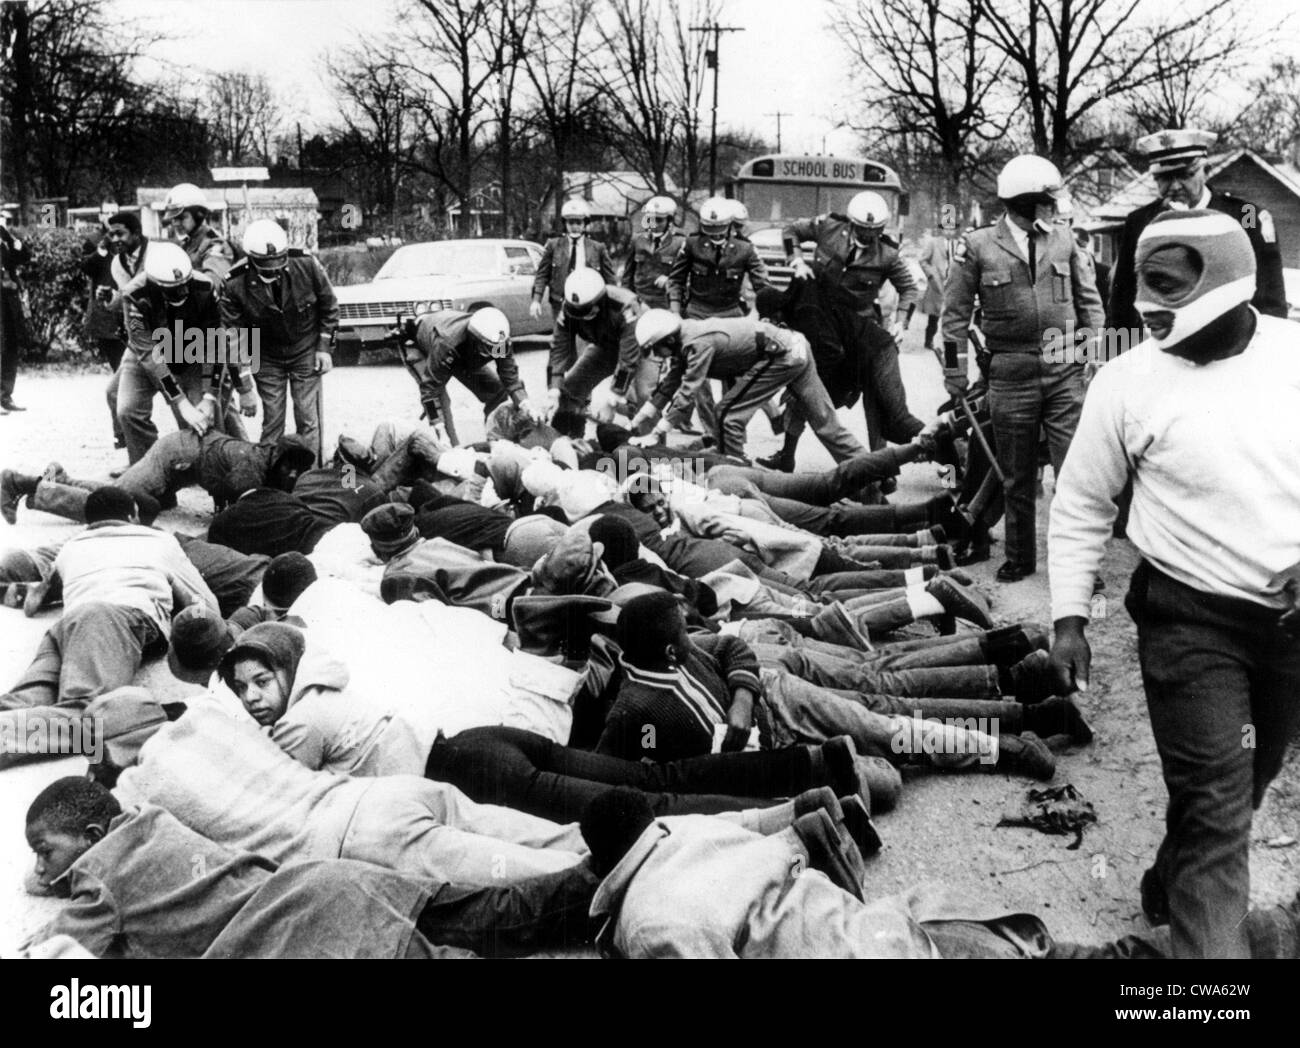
x=781 y=462
x=973 y=553
x=938 y=535
x=960 y=601
x=14 y=594
x=940 y=510
x=1058 y=716
x=1011 y=573
x=1032 y=679
x=1155 y=901
x=1007 y=645
x=959 y=576
x=1025 y=754
x=1098 y=585
x=8 y=404
x=836 y=626
x=849 y=813
x=55 y=474
x=113 y=474
x=14 y=487
x=832 y=852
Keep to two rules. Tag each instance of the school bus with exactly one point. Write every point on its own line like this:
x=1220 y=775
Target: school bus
x=781 y=188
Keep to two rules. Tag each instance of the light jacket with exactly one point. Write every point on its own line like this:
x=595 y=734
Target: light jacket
x=294 y=330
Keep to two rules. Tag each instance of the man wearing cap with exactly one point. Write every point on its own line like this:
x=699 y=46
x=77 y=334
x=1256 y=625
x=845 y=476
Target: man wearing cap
x=568 y=253
x=1039 y=309
x=186 y=210
x=121 y=582
x=1201 y=419
x=1177 y=159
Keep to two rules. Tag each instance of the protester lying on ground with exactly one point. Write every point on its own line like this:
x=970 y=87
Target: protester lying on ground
x=142 y=884
x=224 y=466
x=681 y=696
x=696 y=886
x=120 y=582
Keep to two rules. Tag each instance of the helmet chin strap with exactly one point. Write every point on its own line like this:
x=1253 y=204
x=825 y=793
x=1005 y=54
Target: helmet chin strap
x=1196 y=315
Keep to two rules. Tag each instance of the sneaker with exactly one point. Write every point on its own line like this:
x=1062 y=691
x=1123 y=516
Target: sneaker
x=961 y=601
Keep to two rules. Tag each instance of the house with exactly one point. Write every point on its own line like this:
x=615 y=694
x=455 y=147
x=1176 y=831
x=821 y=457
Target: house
x=234 y=207
x=1272 y=187
x=615 y=198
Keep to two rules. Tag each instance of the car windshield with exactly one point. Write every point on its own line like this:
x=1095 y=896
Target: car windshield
x=447 y=258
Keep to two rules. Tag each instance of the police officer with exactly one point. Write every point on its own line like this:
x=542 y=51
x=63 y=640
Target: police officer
x=567 y=254
x=161 y=315
x=1176 y=159
x=706 y=277
x=853 y=258
x=13 y=254
x=451 y=344
x=186 y=211
x=1039 y=304
x=604 y=317
x=653 y=252
x=283 y=294
x=759 y=358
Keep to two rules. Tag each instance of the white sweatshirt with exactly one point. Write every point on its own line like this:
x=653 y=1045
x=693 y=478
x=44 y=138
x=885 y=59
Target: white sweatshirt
x=1214 y=452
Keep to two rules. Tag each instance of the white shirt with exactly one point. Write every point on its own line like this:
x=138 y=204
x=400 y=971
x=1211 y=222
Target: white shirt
x=1020 y=236
x=1214 y=452
x=578 y=253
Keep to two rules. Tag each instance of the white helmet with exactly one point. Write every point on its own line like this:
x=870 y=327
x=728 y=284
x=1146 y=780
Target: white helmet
x=181 y=197
x=658 y=207
x=575 y=208
x=655 y=327
x=490 y=326
x=869 y=209
x=715 y=218
x=266 y=245
x=583 y=291
x=166 y=264
x=1029 y=175
x=739 y=214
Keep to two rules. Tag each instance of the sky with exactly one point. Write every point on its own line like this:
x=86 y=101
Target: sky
x=786 y=59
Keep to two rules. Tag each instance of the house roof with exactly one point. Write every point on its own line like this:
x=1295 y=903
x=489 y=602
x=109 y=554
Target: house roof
x=1142 y=190
x=612 y=193
x=224 y=197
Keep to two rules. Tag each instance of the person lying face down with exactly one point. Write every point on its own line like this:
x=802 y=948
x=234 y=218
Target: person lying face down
x=142 y=884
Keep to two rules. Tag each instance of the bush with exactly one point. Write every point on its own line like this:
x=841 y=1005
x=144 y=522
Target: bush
x=56 y=291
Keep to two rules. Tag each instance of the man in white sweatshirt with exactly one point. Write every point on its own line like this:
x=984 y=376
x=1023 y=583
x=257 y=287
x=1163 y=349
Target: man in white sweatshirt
x=1204 y=417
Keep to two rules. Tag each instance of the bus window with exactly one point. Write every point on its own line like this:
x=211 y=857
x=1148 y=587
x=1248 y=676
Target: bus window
x=777 y=202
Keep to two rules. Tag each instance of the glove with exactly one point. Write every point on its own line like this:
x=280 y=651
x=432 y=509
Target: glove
x=324 y=362
x=552 y=405
x=661 y=282
x=248 y=403
x=535 y=310
x=802 y=270
x=191 y=417
x=896 y=330
x=956 y=385
x=644 y=419
x=531 y=411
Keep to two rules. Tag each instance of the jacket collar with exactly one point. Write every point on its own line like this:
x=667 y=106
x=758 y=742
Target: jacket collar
x=609 y=894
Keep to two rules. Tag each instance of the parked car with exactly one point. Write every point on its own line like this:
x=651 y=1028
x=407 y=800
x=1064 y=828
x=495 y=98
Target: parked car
x=442 y=274
x=1291 y=280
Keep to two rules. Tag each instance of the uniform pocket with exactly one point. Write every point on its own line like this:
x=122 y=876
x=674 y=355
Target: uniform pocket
x=1061 y=282
x=995 y=289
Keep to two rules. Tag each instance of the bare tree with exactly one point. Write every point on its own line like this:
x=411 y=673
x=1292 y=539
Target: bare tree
x=243 y=115
x=1181 y=88
x=1271 y=121
x=929 y=84
x=508 y=44
x=1069 y=57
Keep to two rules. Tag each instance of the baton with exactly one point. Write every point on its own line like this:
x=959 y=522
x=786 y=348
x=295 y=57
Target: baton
x=984 y=441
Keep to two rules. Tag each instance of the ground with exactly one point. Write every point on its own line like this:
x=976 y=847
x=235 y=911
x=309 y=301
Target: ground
x=944 y=829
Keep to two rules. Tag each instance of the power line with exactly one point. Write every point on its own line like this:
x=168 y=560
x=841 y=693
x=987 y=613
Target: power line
x=778 y=114
x=711 y=61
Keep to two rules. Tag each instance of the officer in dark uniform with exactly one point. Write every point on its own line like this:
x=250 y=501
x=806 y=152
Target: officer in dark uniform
x=285 y=296
x=451 y=344
x=852 y=259
x=1041 y=313
x=653 y=252
x=564 y=255
x=709 y=271
x=1177 y=161
x=13 y=253
x=186 y=211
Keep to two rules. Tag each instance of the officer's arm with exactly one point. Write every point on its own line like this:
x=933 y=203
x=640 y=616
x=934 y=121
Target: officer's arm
x=563 y=353
x=670 y=380
x=629 y=353
x=1270 y=287
x=1123 y=281
x=793 y=235
x=543 y=278
x=508 y=373
x=757 y=270
x=605 y=262
x=216 y=262
x=678 y=275
x=697 y=358
x=958 y=304
x=327 y=303
x=629 y=270
x=435 y=372
x=1088 y=311
x=909 y=291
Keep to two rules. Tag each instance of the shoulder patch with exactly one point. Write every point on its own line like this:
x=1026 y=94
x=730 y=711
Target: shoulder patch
x=297 y=252
x=1267 y=232
x=238 y=267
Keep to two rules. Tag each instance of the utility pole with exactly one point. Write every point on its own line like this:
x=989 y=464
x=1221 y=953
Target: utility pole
x=711 y=61
x=778 y=114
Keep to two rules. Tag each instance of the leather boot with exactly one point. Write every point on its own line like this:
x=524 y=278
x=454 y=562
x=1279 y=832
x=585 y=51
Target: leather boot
x=1025 y=754
x=831 y=852
x=14 y=487
x=836 y=626
x=960 y=601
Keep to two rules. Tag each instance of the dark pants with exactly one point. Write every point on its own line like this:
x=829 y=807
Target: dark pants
x=11 y=333
x=525 y=771
x=539 y=913
x=931 y=329
x=1223 y=693
x=110 y=351
x=1028 y=395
